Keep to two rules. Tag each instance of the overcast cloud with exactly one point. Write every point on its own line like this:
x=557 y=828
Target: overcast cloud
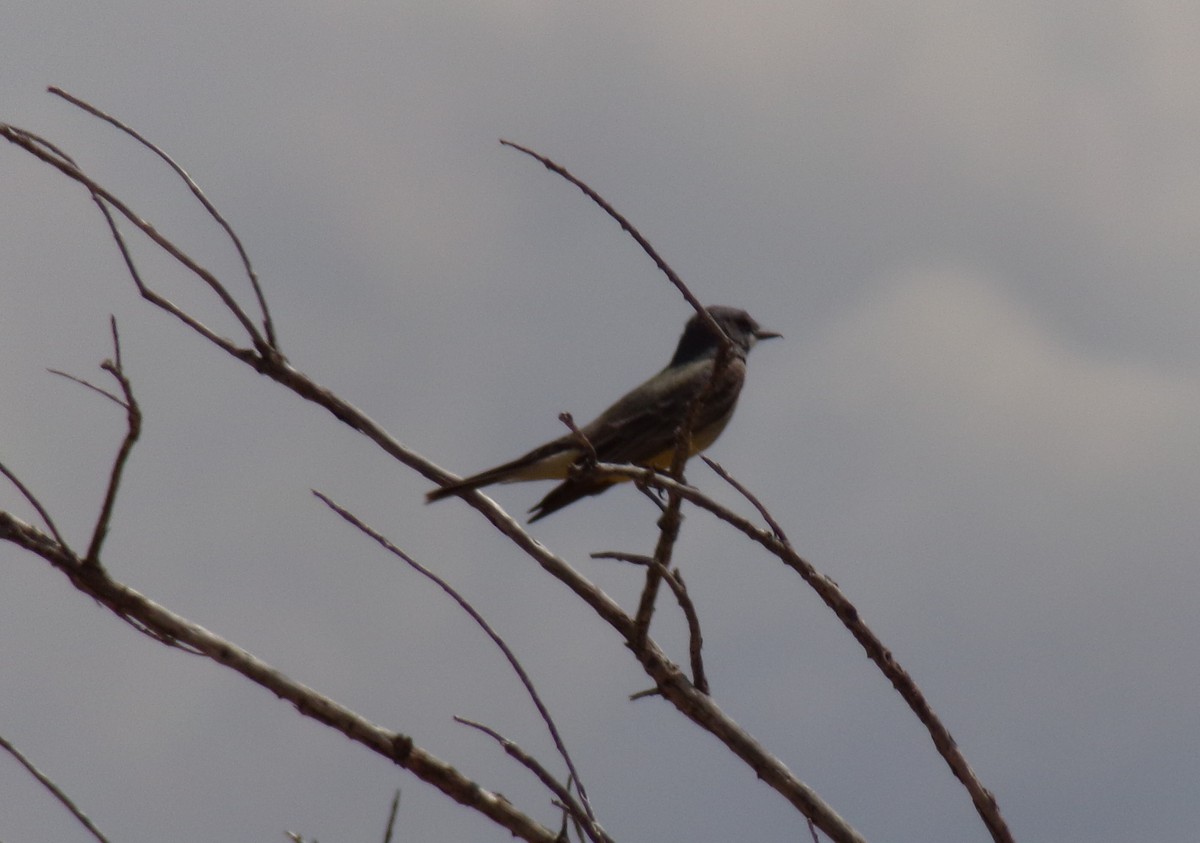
x=976 y=227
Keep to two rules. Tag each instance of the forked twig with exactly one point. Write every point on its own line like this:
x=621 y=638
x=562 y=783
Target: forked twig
x=133 y=416
x=674 y=580
x=268 y=324
x=53 y=156
x=745 y=493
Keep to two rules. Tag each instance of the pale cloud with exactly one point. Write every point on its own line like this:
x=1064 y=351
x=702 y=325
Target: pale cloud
x=956 y=358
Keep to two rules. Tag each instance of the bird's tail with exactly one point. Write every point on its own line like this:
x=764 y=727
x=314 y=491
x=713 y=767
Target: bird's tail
x=568 y=492
x=549 y=462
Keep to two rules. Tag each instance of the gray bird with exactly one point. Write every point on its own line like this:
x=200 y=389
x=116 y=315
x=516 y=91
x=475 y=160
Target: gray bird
x=640 y=427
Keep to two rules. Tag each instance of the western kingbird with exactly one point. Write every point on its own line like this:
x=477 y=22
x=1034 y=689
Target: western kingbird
x=640 y=427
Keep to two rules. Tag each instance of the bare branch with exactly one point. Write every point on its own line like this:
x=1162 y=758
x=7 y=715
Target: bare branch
x=629 y=229
x=578 y=812
x=52 y=156
x=90 y=386
x=847 y=613
x=668 y=532
x=744 y=492
x=589 y=450
x=268 y=325
x=509 y=655
x=391 y=821
x=54 y=789
x=671 y=682
x=984 y=801
x=671 y=519
x=695 y=640
x=674 y=580
x=35 y=503
x=398 y=748
x=133 y=415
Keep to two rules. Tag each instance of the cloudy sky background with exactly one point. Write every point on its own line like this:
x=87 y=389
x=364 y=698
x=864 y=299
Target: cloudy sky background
x=977 y=228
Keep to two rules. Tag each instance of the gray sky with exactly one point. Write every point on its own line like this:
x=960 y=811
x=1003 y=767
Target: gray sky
x=976 y=227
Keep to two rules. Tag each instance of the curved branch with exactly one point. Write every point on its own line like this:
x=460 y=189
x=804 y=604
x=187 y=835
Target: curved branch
x=51 y=155
x=160 y=621
x=268 y=324
x=983 y=799
x=586 y=814
x=629 y=229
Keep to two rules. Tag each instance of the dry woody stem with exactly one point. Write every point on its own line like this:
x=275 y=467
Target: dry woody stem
x=258 y=348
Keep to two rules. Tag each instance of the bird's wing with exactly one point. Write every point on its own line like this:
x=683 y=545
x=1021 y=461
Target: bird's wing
x=642 y=425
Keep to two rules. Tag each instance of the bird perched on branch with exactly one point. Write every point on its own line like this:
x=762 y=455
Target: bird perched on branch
x=640 y=428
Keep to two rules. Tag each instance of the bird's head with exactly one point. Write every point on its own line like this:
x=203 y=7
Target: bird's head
x=698 y=339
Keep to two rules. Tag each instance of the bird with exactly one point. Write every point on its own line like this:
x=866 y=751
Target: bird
x=640 y=427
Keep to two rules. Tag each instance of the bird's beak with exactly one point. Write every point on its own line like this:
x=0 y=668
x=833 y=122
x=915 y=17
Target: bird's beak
x=766 y=335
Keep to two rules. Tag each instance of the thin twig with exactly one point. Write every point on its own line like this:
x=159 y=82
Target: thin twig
x=593 y=830
x=268 y=324
x=36 y=504
x=391 y=821
x=569 y=816
x=629 y=229
x=674 y=580
x=695 y=640
x=133 y=416
x=530 y=689
x=54 y=789
x=90 y=386
x=585 y=444
x=48 y=153
x=672 y=518
x=744 y=492
x=668 y=532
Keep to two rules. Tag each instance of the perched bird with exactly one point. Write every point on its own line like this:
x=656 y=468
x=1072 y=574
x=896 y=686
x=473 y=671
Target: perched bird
x=640 y=427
